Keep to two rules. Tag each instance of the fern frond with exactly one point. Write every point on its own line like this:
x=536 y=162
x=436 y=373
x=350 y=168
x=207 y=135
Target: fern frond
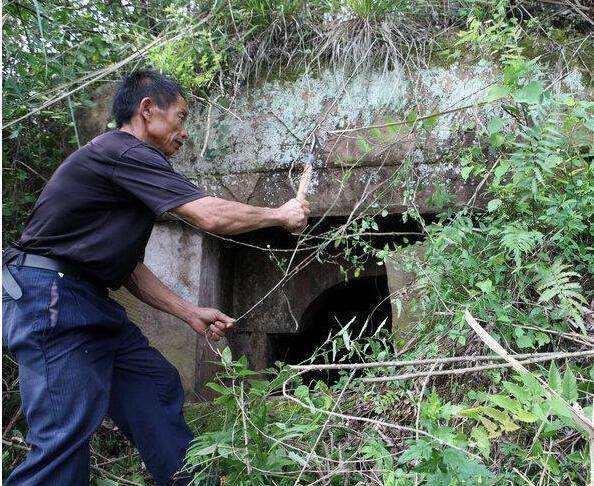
x=518 y=240
x=556 y=286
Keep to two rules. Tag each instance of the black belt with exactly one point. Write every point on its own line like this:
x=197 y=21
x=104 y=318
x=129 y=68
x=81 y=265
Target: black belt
x=36 y=261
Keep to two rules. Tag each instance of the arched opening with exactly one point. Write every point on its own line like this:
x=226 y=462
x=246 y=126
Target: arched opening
x=354 y=301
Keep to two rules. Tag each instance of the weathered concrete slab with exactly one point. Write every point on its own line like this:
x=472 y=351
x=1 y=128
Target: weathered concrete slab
x=365 y=123
x=335 y=192
x=261 y=132
x=216 y=272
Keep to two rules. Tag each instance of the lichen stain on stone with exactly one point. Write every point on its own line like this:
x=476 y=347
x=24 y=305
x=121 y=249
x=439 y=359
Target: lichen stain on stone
x=456 y=87
x=264 y=129
x=573 y=81
x=262 y=134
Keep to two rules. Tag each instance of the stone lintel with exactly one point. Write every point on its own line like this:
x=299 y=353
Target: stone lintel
x=333 y=193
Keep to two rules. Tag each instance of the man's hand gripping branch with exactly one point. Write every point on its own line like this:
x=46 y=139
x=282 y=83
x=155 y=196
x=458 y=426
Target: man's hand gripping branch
x=145 y=286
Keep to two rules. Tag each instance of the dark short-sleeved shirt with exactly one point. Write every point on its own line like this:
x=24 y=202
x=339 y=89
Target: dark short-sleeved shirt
x=98 y=209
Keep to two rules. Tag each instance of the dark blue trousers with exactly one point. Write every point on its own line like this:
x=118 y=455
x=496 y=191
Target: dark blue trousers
x=80 y=359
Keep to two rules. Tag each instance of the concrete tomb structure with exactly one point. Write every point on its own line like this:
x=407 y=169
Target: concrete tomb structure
x=249 y=148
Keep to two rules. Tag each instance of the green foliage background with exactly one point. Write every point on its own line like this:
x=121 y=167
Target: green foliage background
x=521 y=263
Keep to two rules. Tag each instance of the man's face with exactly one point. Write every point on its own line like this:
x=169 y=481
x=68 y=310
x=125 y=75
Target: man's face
x=164 y=127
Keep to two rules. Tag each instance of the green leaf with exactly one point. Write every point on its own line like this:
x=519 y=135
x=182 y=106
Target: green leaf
x=297 y=458
x=531 y=383
x=554 y=377
x=411 y=118
x=521 y=394
x=493 y=204
x=549 y=462
x=495 y=93
x=376 y=133
x=558 y=407
x=542 y=338
x=530 y=93
x=449 y=410
x=494 y=130
x=495 y=125
x=226 y=356
x=502 y=417
x=364 y=146
x=105 y=482
x=569 y=386
x=481 y=439
x=223 y=390
x=430 y=122
x=205 y=451
x=486 y=286
x=302 y=392
x=504 y=402
x=392 y=125
x=491 y=427
x=346 y=338
x=419 y=451
x=525 y=416
x=523 y=339
x=500 y=171
x=497 y=140
x=465 y=172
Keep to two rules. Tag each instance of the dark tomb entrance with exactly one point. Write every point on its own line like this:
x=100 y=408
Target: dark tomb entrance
x=291 y=323
x=364 y=302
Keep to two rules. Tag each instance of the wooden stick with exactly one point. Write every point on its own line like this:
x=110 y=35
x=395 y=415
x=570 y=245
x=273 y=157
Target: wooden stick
x=304 y=181
x=576 y=411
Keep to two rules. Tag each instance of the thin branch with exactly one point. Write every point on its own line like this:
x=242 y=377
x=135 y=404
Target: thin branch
x=474 y=369
x=413 y=362
x=382 y=423
x=405 y=122
x=101 y=73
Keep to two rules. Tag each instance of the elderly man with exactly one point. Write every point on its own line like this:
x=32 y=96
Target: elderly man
x=80 y=357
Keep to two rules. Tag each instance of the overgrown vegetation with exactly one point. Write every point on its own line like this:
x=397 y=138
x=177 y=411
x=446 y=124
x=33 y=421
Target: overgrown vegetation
x=522 y=267
x=518 y=259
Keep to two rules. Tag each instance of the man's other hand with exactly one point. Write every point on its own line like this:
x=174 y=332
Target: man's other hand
x=210 y=322
x=294 y=214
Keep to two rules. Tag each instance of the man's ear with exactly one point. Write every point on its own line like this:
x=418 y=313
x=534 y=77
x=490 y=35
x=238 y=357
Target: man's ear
x=146 y=108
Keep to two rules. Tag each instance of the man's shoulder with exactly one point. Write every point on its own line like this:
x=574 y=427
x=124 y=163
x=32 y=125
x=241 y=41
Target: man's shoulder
x=145 y=154
x=122 y=149
x=114 y=143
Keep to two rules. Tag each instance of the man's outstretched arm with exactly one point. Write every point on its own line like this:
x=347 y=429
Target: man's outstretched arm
x=224 y=217
x=145 y=286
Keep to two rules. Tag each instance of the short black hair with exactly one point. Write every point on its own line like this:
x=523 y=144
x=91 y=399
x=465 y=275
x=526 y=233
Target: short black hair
x=140 y=84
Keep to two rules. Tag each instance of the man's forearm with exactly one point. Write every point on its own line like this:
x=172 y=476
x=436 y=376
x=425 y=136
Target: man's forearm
x=145 y=286
x=228 y=217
